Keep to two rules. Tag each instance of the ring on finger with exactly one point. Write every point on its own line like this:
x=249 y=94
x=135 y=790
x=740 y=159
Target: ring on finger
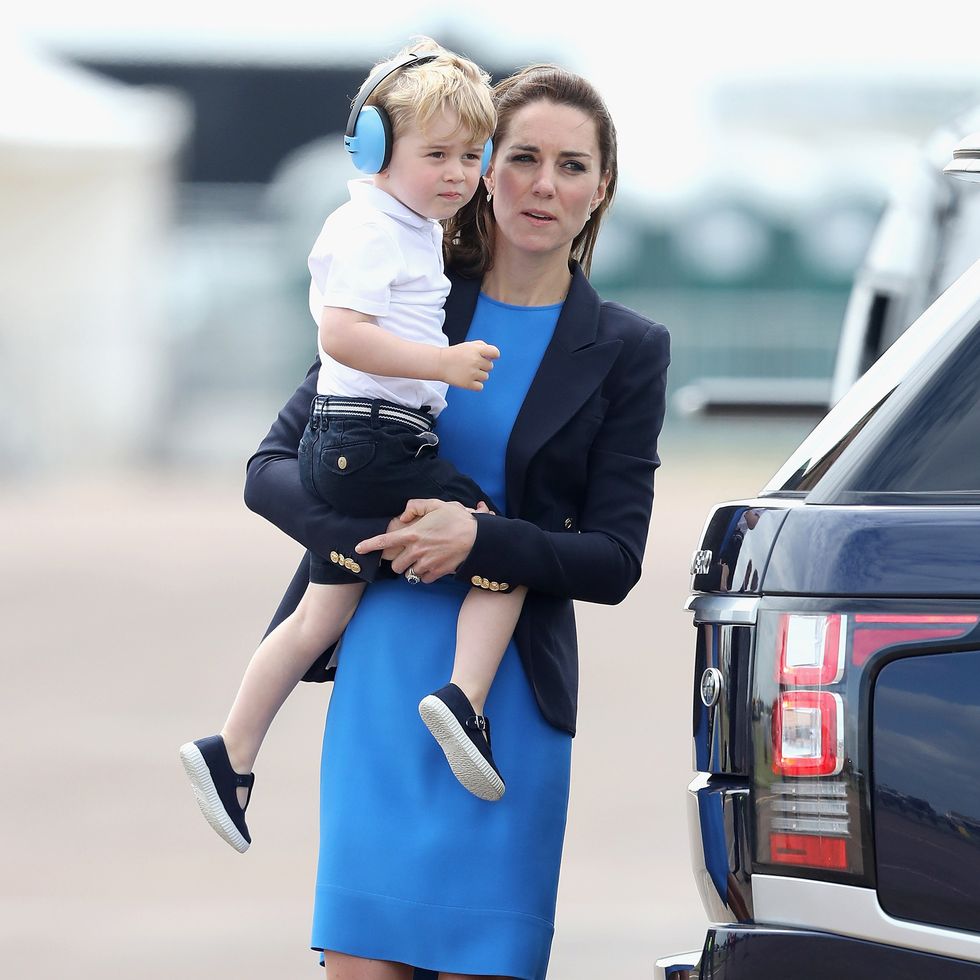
x=410 y=576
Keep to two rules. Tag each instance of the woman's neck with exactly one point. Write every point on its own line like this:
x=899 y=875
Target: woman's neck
x=523 y=280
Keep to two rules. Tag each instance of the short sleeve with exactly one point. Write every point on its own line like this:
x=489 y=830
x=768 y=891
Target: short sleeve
x=353 y=266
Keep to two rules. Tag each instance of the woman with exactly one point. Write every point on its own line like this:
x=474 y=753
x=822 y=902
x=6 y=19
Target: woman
x=413 y=871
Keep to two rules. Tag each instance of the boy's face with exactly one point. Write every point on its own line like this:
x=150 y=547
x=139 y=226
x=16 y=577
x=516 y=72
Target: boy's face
x=433 y=172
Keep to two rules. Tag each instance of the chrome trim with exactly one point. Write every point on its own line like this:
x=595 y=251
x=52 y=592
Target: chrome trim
x=810 y=788
x=728 y=899
x=739 y=610
x=820 y=808
x=700 y=781
x=839 y=702
x=701 y=562
x=851 y=911
x=824 y=826
x=841 y=649
x=715 y=908
x=680 y=966
x=717 y=649
x=711 y=685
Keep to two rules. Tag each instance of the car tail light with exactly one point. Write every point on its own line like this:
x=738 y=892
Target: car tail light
x=873 y=632
x=809 y=849
x=808 y=734
x=809 y=788
x=811 y=649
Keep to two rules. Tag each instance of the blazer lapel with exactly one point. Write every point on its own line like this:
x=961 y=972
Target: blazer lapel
x=572 y=367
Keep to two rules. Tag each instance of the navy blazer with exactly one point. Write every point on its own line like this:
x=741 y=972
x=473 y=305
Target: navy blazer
x=579 y=483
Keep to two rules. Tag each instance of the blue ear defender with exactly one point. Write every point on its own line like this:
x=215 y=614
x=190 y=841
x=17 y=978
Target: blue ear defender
x=369 y=137
x=370 y=146
x=487 y=154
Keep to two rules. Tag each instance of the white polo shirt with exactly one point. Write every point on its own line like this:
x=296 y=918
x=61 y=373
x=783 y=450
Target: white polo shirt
x=378 y=257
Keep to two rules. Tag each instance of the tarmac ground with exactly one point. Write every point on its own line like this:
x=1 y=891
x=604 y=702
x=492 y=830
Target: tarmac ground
x=131 y=606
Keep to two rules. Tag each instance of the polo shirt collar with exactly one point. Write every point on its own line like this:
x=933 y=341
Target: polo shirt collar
x=365 y=191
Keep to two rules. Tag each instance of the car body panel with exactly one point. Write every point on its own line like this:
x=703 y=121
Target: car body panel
x=765 y=953
x=735 y=545
x=877 y=551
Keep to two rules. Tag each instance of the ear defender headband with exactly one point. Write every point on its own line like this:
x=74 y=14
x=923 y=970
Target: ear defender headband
x=370 y=137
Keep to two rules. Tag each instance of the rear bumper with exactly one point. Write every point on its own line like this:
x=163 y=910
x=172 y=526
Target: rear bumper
x=747 y=952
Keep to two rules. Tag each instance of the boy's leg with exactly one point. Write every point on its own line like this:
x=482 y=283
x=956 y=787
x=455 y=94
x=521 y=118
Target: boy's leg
x=454 y=713
x=280 y=662
x=486 y=623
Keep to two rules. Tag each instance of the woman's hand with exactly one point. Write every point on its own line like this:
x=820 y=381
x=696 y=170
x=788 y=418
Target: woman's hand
x=392 y=551
x=432 y=536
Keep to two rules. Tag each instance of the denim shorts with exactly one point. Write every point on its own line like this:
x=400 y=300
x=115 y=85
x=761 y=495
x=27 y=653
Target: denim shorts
x=370 y=466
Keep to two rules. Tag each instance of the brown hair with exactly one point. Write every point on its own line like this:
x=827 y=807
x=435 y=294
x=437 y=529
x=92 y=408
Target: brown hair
x=419 y=93
x=470 y=233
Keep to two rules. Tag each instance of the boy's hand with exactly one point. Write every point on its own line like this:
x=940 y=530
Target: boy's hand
x=467 y=365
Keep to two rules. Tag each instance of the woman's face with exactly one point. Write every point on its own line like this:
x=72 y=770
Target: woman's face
x=546 y=177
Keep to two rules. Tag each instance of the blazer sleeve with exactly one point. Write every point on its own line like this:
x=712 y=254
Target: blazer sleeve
x=602 y=562
x=273 y=489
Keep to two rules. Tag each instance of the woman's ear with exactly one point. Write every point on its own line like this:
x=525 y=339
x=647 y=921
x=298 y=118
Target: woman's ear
x=600 y=192
x=488 y=180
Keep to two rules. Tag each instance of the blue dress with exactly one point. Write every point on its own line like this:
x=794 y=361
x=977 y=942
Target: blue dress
x=413 y=868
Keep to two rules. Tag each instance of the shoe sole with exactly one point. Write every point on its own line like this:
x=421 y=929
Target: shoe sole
x=208 y=799
x=464 y=758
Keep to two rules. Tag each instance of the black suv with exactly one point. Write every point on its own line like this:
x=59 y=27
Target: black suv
x=835 y=820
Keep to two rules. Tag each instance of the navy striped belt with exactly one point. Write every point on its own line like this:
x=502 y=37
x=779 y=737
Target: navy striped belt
x=338 y=406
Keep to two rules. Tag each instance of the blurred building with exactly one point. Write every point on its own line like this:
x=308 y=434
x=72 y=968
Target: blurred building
x=193 y=265
x=87 y=174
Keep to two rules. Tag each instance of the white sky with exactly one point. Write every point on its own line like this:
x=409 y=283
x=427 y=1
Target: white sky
x=707 y=38
x=654 y=67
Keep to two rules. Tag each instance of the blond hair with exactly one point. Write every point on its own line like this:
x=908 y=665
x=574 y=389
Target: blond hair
x=419 y=93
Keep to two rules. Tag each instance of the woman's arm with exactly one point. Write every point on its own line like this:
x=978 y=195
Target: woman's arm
x=602 y=562
x=273 y=489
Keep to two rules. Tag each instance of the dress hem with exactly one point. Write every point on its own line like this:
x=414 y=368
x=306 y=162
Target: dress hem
x=440 y=938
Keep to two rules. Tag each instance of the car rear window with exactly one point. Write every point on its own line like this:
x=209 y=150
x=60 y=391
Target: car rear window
x=932 y=447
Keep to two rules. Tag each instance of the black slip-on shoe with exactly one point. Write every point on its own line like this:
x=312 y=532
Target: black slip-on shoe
x=215 y=785
x=464 y=736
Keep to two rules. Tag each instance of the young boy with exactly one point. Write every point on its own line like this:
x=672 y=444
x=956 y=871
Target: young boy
x=377 y=293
